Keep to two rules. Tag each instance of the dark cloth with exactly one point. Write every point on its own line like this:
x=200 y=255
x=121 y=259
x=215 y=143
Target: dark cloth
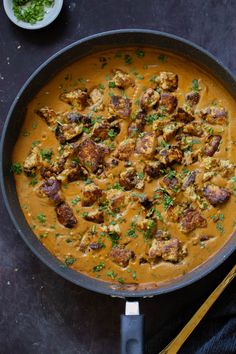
x=216 y=333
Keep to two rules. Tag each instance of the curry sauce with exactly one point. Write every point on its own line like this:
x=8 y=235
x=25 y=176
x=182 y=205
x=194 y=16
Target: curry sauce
x=125 y=166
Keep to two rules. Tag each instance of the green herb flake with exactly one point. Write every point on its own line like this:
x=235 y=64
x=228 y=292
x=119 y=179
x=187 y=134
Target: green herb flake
x=162 y=58
x=134 y=275
x=99 y=267
x=152 y=118
x=46 y=154
x=31 y=11
x=117 y=185
x=102 y=87
x=140 y=53
x=159 y=216
x=75 y=200
x=112 y=274
x=168 y=201
x=33 y=182
x=69 y=260
x=128 y=59
x=220 y=227
x=112 y=134
x=121 y=280
x=111 y=84
x=41 y=218
x=88 y=181
x=16 y=168
x=34 y=143
x=195 y=86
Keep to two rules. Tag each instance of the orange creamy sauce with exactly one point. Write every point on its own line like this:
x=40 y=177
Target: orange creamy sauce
x=64 y=243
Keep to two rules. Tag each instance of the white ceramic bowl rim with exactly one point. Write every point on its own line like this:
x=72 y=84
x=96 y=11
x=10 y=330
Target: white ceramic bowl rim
x=49 y=16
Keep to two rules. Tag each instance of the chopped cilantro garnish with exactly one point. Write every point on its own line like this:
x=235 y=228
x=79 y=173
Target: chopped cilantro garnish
x=99 y=267
x=41 y=218
x=219 y=227
x=134 y=275
x=75 y=200
x=112 y=134
x=121 y=280
x=159 y=216
x=33 y=182
x=162 y=58
x=88 y=181
x=128 y=59
x=69 y=260
x=195 y=85
x=168 y=201
x=102 y=87
x=117 y=185
x=16 y=168
x=111 y=84
x=140 y=53
x=112 y=274
x=46 y=154
x=151 y=118
x=31 y=11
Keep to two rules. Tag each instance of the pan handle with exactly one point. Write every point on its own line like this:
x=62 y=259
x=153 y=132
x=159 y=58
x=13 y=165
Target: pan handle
x=132 y=324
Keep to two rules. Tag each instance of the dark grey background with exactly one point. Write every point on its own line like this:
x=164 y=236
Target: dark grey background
x=39 y=311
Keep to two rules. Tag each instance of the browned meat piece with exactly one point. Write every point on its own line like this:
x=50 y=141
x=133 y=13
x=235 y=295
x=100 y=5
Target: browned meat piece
x=171 y=155
x=120 y=106
x=49 y=115
x=77 y=98
x=190 y=157
x=149 y=99
x=137 y=126
x=193 y=129
x=76 y=173
x=32 y=161
x=68 y=132
x=153 y=169
x=65 y=215
x=189 y=179
x=214 y=115
x=129 y=179
x=172 y=183
x=183 y=116
x=192 y=98
x=216 y=195
x=191 y=220
x=170 y=130
x=90 y=155
x=145 y=202
x=102 y=130
x=174 y=212
x=147 y=226
x=146 y=145
x=168 y=250
x=52 y=189
x=167 y=81
x=117 y=200
x=122 y=79
x=169 y=102
x=96 y=97
x=125 y=149
x=75 y=117
x=121 y=256
x=96 y=246
x=94 y=216
x=91 y=193
x=212 y=145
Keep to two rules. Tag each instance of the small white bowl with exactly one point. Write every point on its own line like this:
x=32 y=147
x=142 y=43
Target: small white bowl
x=49 y=16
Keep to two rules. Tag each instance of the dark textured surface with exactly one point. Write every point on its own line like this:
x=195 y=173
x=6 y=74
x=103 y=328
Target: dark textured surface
x=39 y=311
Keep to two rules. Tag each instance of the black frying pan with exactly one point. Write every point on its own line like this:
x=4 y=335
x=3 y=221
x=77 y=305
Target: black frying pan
x=132 y=322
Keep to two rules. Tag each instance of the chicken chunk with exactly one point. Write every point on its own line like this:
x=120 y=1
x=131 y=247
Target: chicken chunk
x=125 y=149
x=105 y=129
x=168 y=81
x=137 y=126
x=49 y=115
x=192 y=98
x=216 y=195
x=121 y=106
x=149 y=99
x=168 y=102
x=95 y=216
x=170 y=130
x=121 y=256
x=97 y=97
x=117 y=200
x=90 y=155
x=122 y=79
x=91 y=193
x=193 y=128
x=32 y=161
x=189 y=179
x=68 y=132
x=65 y=215
x=77 y=98
x=171 y=184
x=146 y=145
x=52 y=189
x=212 y=145
x=183 y=116
x=171 y=155
x=168 y=250
x=214 y=115
x=191 y=220
x=129 y=179
x=147 y=226
x=153 y=169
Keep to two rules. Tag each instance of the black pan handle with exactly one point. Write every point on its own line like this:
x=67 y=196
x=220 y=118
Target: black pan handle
x=132 y=324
